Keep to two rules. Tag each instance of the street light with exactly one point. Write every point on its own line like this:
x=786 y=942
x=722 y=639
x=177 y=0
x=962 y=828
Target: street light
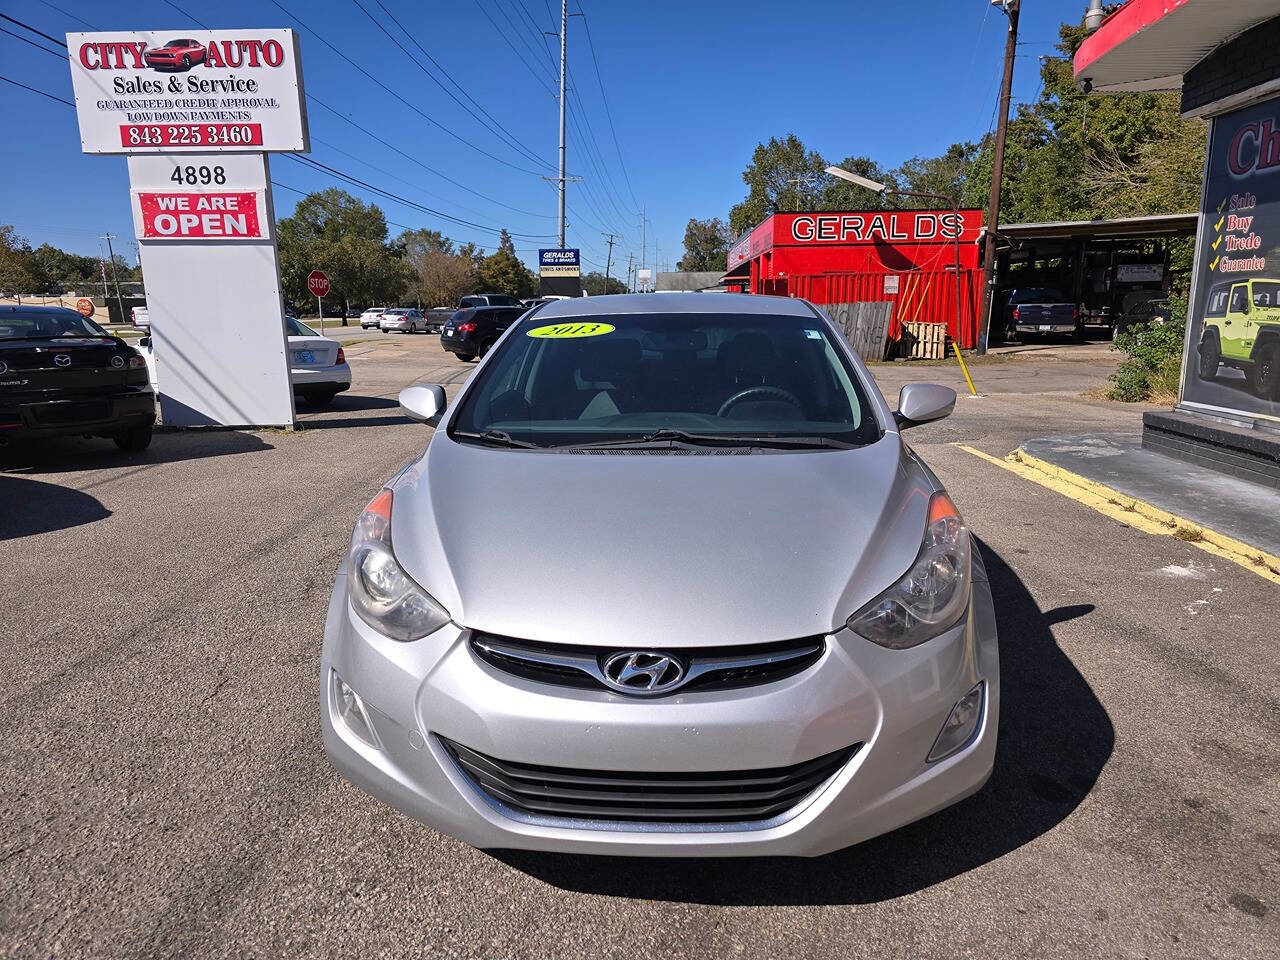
x=882 y=189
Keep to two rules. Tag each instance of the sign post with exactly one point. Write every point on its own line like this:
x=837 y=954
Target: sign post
x=318 y=283
x=559 y=272
x=196 y=116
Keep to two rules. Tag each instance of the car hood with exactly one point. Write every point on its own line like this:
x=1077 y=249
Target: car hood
x=658 y=549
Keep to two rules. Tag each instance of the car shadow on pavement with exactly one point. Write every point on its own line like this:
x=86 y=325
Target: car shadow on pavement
x=1055 y=738
x=28 y=507
x=65 y=454
x=333 y=415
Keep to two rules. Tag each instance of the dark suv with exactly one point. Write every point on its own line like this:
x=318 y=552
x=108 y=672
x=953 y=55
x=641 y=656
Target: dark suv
x=470 y=332
x=62 y=374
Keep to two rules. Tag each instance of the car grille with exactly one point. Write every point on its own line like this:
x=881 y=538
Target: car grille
x=736 y=796
x=72 y=412
x=705 y=668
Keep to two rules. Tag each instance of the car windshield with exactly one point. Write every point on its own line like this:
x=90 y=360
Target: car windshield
x=748 y=380
x=22 y=324
x=296 y=328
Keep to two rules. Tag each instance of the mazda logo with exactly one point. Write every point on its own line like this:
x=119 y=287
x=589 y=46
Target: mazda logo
x=4 y=367
x=62 y=360
x=117 y=362
x=643 y=672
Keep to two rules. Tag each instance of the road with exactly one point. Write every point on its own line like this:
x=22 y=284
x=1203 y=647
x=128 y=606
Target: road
x=165 y=792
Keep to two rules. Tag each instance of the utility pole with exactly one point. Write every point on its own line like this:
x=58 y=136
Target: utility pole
x=642 y=243
x=630 y=257
x=115 y=277
x=1011 y=9
x=102 y=267
x=564 y=33
x=608 y=260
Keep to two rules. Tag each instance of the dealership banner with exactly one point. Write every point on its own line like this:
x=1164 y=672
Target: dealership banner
x=221 y=215
x=559 y=263
x=205 y=91
x=1232 y=359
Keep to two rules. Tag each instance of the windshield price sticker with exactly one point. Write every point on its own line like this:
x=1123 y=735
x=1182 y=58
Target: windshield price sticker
x=569 y=331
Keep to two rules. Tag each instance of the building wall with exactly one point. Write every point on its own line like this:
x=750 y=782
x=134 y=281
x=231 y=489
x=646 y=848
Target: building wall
x=1251 y=59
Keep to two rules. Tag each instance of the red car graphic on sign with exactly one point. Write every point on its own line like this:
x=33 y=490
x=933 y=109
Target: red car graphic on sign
x=180 y=54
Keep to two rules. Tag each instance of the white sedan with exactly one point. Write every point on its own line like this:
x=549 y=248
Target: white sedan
x=318 y=366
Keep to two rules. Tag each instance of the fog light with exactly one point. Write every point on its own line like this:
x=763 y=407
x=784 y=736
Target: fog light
x=960 y=726
x=350 y=709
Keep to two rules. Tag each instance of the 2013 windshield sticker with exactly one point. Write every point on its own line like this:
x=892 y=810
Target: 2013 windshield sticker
x=568 y=331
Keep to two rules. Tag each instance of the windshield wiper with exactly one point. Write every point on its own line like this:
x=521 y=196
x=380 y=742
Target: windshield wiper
x=499 y=438
x=668 y=435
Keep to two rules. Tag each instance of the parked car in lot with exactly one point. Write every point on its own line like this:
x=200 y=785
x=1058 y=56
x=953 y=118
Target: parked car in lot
x=1033 y=312
x=404 y=319
x=371 y=317
x=1141 y=311
x=62 y=374
x=713 y=604
x=138 y=317
x=1242 y=330
x=437 y=317
x=318 y=366
x=488 y=300
x=470 y=332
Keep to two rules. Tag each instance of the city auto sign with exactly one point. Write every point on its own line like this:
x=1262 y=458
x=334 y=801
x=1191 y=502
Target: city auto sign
x=202 y=91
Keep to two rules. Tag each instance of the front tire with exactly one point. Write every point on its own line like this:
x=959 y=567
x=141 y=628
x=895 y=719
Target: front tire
x=319 y=398
x=135 y=439
x=465 y=357
x=1210 y=355
x=1264 y=377
x=186 y=62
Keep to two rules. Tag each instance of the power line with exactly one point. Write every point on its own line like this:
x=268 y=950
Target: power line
x=31 y=29
x=502 y=33
x=605 y=100
x=332 y=171
x=67 y=14
x=501 y=132
x=30 y=42
x=397 y=96
x=41 y=92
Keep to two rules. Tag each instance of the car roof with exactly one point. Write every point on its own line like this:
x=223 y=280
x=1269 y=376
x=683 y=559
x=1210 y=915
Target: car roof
x=740 y=303
x=36 y=309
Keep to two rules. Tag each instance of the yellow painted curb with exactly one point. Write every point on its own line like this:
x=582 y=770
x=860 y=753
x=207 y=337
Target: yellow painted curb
x=1134 y=513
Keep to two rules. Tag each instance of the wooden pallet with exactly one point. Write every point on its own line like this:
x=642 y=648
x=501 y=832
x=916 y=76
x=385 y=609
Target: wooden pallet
x=924 y=341
x=865 y=326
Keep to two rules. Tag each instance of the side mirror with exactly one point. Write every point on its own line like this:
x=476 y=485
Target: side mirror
x=922 y=402
x=144 y=341
x=426 y=402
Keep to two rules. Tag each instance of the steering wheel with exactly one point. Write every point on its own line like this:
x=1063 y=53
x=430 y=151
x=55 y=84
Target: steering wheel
x=762 y=392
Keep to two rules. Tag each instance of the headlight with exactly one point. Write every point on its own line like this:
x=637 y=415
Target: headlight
x=934 y=593
x=381 y=592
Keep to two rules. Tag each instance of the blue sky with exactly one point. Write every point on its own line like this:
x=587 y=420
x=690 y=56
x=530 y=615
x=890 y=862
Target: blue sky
x=691 y=89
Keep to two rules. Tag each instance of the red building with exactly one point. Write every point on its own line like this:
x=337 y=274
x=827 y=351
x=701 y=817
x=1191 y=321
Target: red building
x=846 y=256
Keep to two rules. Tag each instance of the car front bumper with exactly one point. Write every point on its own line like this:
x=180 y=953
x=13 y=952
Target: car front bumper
x=893 y=702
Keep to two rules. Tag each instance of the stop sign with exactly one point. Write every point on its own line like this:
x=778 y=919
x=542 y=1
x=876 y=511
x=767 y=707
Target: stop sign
x=318 y=282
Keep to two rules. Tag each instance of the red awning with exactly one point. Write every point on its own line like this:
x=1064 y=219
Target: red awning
x=1150 y=44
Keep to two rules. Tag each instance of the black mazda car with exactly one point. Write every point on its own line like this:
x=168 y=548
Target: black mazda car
x=471 y=331
x=63 y=375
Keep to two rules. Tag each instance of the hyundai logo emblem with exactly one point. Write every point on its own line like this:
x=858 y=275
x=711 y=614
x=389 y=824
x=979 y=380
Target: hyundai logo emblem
x=62 y=360
x=643 y=672
x=117 y=362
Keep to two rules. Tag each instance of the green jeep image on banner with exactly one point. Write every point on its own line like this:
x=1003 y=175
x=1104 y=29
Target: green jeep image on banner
x=1242 y=330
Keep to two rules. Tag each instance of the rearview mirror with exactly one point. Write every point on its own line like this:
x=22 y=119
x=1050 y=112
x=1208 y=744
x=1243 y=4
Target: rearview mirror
x=922 y=402
x=426 y=402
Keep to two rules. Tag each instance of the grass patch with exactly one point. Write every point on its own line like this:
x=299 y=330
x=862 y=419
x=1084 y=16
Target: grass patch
x=1188 y=534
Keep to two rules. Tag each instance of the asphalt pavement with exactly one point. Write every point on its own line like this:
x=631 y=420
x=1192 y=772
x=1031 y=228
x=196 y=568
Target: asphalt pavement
x=165 y=793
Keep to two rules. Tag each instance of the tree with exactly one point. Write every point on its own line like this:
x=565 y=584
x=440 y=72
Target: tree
x=593 y=284
x=945 y=175
x=840 y=194
x=347 y=238
x=783 y=175
x=414 y=246
x=17 y=276
x=706 y=245
x=503 y=272
x=444 y=278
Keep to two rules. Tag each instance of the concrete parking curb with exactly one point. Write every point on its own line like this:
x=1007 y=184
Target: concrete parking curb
x=1134 y=513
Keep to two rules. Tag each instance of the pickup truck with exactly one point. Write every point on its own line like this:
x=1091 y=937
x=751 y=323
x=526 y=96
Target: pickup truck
x=1039 y=311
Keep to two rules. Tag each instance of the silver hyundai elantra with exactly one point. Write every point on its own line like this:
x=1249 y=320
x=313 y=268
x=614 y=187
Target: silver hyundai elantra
x=666 y=581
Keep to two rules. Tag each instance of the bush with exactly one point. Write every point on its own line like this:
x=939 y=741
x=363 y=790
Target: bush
x=1154 y=365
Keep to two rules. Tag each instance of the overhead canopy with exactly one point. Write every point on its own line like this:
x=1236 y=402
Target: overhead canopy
x=1150 y=44
x=1121 y=228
